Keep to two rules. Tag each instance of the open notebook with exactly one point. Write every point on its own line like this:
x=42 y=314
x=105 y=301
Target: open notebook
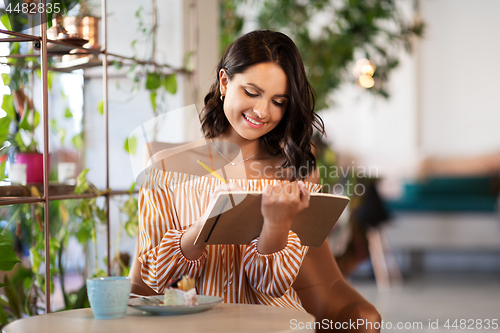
x=235 y=218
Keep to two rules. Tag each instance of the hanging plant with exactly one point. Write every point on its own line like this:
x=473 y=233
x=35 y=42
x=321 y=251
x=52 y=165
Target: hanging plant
x=332 y=35
x=145 y=72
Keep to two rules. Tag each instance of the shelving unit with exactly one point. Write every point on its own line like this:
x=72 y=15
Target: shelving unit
x=19 y=194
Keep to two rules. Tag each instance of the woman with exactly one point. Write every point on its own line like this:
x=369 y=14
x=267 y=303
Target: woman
x=263 y=104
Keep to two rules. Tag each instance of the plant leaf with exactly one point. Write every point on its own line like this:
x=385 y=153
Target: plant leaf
x=8 y=106
x=77 y=141
x=63 y=213
x=20 y=143
x=34 y=192
x=67 y=113
x=24 y=123
x=132 y=228
x=131 y=145
x=81 y=182
x=36 y=119
x=82 y=235
x=170 y=83
x=5 y=239
x=117 y=64
x=50 y=77
x=61 y=134
x=4 y=129
x=152 y=98
x=5 y=79
x=82 y=300
x=100 y=107
x=3 y=317
x=13 y=298
x=153 y=81
x=6 y=22
x=2 y=169
x=8 y=258
x=53 y=124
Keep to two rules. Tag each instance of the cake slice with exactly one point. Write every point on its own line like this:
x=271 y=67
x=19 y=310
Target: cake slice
x=180 y=292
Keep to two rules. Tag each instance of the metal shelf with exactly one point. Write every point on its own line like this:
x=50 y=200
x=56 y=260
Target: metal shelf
x=44 y=56
x=80 y=63
x=101 y=58
x=19 y=194
x=21 y=200
x=18 y=36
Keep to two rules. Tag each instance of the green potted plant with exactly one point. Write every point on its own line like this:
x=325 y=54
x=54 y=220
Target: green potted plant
x=19 y=106
x=8 y=260
x=6 y=116
x=25 y=140
x=20 y=110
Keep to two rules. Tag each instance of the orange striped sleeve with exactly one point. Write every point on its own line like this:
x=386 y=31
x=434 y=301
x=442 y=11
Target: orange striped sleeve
x=160 y=233
x=273 y=274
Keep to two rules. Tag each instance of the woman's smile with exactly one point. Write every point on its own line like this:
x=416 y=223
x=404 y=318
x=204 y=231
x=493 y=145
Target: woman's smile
x=252 y=122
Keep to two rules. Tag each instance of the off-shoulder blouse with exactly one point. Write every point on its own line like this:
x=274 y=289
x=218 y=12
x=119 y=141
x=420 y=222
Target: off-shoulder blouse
x=169 y=202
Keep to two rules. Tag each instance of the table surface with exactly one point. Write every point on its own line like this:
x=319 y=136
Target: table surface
x=221 y=318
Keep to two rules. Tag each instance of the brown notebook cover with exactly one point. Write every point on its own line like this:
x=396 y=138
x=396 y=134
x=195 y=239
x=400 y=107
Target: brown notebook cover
x=235 y=218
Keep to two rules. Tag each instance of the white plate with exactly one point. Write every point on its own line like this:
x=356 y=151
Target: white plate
x=204 y=303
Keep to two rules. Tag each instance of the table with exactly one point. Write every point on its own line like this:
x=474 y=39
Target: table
x=221 y=318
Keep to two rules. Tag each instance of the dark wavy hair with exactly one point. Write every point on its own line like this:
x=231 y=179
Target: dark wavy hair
x=291 y=139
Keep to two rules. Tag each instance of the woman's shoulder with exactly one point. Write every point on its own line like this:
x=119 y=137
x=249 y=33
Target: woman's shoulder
x=159 y=156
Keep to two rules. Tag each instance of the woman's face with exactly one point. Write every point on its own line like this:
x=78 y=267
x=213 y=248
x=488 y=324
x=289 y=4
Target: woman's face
x=255 y=100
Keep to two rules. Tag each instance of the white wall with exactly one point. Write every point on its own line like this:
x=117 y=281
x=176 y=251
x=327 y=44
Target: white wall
x=374 y=132
x=176 y=26
x=450 y=83
x=126 y=113
x=460 y=77
x=205 y=40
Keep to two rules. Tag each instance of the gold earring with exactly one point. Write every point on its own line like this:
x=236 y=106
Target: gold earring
x=222 y=98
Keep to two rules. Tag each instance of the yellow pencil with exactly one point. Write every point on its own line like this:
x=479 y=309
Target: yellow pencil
x=211 y=171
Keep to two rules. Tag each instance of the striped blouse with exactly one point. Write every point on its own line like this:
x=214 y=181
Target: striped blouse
x=169 y=202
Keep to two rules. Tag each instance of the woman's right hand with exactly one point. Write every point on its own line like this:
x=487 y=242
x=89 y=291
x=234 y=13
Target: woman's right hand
x=280 y=204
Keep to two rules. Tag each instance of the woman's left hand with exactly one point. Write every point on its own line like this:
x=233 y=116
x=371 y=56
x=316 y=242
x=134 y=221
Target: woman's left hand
x=280 y=204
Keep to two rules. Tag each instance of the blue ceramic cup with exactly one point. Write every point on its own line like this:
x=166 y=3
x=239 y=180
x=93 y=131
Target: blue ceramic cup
x=108 y=296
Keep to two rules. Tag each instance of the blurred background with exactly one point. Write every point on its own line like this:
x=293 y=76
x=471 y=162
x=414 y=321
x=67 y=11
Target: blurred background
x=408 y=91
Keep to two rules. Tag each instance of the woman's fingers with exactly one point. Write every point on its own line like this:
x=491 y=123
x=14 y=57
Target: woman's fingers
x=282 y=201
x=268 y=189
x=287 y=193
x=290 y=189
x=305 y=195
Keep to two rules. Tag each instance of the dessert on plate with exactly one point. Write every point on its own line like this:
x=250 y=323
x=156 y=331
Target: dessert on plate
x=180 y=292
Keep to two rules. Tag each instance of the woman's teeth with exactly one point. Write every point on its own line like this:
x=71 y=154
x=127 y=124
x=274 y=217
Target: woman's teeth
x=251 y=120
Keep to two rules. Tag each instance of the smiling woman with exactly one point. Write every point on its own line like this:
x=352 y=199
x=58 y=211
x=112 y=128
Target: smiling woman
x=262 y=91
x=261 y=103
